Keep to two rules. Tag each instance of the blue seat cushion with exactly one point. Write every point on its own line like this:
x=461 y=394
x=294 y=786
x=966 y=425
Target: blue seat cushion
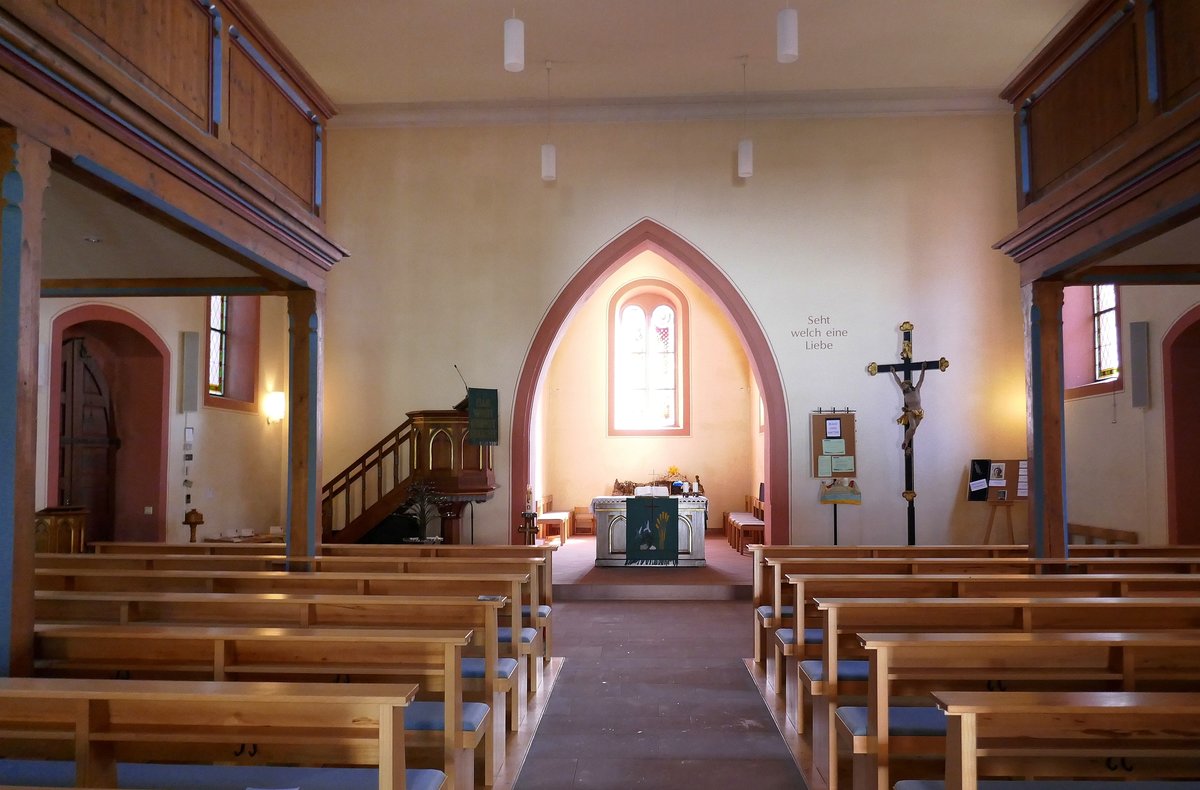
x=431 y=715
x=769 y=611
x=901 y=720
x=812 y=636
x=61 y=773
x=850 y=669
x=543 y=610
x=1054 y=784
x=527 y=635
x=474 y=667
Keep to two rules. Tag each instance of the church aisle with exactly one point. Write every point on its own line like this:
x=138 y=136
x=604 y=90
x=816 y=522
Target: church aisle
x=655 y=694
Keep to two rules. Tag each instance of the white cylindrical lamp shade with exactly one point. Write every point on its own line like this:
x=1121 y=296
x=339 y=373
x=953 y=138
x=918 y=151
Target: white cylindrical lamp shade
x=745 y=157
x=514 y=45
x=787 y=36
x=549 y=162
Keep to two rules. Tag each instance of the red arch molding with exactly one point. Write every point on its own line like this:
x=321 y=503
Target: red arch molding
x=649 y=235
x=115 y=315
x=1176 y=455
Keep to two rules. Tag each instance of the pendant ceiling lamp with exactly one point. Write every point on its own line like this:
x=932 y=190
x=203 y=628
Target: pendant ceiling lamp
x=549 y=154
x=787 y=36
x=514 y=44
x=745 y=148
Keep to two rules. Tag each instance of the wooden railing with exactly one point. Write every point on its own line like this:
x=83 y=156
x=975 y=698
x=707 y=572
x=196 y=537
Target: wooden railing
x=376 y=481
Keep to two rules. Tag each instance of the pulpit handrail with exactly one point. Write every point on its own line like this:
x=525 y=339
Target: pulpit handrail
x=393 y=447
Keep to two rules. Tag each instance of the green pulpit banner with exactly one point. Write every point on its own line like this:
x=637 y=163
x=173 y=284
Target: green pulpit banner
x=483 y=416
x=652 y=530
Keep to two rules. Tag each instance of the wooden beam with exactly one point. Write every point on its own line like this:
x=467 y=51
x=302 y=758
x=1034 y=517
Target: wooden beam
x=159 y=286
x=1043 y=303
x=1167 y=274
x=306 y=315
x=24 y=175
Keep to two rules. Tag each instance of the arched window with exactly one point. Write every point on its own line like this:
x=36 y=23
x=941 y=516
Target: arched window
x=232 y=353
x=1091 y=340
x=648 y=360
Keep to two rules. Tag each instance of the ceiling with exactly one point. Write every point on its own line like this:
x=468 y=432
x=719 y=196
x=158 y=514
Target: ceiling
x=449 y=53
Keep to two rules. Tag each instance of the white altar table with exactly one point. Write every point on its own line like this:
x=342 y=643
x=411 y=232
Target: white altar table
x=610 y=529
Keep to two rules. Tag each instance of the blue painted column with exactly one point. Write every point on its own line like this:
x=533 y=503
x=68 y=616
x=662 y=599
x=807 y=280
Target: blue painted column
x=24 y=172
x=305 y=319
x=1043 y=302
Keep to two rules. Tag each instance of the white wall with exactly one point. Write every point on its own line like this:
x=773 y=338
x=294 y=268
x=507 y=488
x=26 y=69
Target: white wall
x=459 y=249
x=1116 y=454
x=582 y=460
x=238 y=468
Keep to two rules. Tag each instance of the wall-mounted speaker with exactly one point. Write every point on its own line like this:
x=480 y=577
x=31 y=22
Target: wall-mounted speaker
x=189 y=374
x=1139 y=363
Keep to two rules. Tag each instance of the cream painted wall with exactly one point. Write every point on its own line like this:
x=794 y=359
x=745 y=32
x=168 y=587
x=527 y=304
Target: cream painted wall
x=582 y=460
x=1116 y=454
x=459 y=250
x=238 y=470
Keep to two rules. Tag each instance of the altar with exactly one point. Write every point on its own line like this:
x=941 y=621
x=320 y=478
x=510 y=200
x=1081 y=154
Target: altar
x=611 y=529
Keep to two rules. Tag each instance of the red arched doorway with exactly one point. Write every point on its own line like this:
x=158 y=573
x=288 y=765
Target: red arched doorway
x=649 y=235
x=134 y=361
x=1181 y=393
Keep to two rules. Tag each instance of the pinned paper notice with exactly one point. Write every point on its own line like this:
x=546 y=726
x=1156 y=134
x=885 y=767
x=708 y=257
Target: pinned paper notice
x=824 y=466
x=843 y=464
x=978 y=485
x=833 y=446
x=997 y=483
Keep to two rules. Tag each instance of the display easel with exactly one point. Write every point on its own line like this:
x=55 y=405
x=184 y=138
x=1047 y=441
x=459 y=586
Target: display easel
x=1001 y=484
x=993 y=507
x=833 y=448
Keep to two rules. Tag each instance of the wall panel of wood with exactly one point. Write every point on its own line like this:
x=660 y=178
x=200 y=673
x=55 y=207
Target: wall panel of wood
x=134 y=31
x=1087 y=109
x=1179 y=50
x=268 y=126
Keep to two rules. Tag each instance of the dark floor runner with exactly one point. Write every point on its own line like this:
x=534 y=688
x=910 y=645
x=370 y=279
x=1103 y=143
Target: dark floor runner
x=655 y=695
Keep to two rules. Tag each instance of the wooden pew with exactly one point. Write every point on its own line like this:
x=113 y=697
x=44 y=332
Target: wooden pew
x=488 y=672
x=378 y=570
x=441 y=723
x=524 y=642
x=843 y=617
x=781 y=598
x=800 y=636
x=1070 y=734
x=97 y=723
x=914 y=664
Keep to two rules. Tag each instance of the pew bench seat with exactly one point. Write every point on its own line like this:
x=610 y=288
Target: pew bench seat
x=1053 y=784
x=159 y=776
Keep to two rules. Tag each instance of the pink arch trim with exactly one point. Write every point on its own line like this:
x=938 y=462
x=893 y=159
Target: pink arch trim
x=650 y=235
x=102 y=312
x=1175 y=454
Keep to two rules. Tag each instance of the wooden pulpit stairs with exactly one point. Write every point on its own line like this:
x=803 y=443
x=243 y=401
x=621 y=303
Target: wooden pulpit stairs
x=430 y=445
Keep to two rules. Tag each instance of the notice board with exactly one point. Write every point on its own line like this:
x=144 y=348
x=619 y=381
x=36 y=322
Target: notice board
x=991 y=480
x=833 y=446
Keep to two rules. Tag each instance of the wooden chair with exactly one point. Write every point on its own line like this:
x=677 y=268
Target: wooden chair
x=585 y=521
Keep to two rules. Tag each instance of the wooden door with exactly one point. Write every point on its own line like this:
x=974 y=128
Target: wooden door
x=88 y=442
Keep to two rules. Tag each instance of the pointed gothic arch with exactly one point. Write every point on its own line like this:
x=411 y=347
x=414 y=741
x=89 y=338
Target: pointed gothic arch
x=650 y=235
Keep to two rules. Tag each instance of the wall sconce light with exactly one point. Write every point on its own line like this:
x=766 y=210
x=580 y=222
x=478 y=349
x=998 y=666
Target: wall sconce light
x=275 y=406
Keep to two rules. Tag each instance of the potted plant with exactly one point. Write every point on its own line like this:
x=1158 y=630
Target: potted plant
x=422 y=503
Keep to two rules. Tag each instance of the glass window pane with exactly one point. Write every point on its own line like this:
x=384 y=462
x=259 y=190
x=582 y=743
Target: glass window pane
x=216 y=312
x=216 y=363
x=663 y=325
x=662 y=371
x=1105 y=296
x=662 y=411
x=1107 y=358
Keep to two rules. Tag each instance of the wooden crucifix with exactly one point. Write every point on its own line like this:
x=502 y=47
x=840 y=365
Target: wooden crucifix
x=912 y=413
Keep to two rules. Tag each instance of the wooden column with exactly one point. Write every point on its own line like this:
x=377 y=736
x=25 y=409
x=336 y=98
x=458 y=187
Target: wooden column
x=1043 y=304
x=24 y=173
x=305 y=318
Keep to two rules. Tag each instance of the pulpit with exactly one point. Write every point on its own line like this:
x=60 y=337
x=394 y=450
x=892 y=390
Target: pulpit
x=443 y=455
x=612 y=527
